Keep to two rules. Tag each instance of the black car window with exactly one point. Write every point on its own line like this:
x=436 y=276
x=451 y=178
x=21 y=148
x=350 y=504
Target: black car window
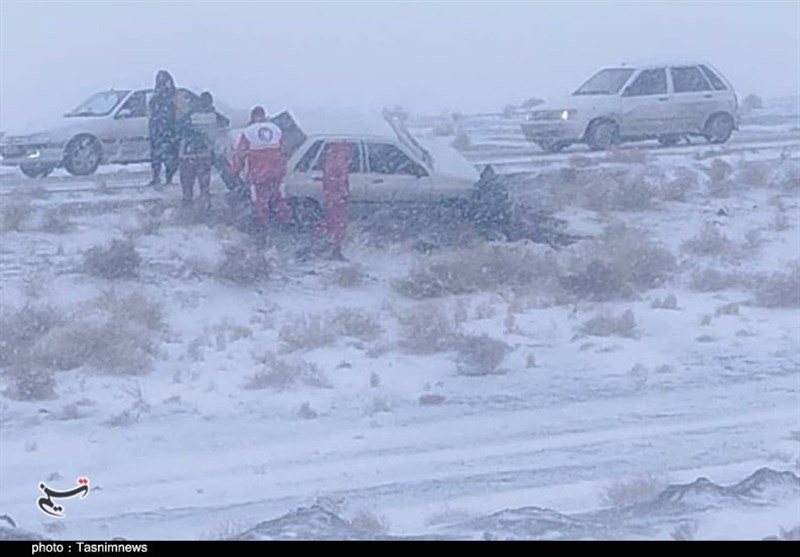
x=355 y=165
x=649 y=82
x=134 y=107
x=716 y=82
x=308 y=157
x=385 y=158
x=688 y=79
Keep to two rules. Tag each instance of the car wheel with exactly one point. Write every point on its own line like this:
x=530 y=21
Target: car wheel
x=668 y=140
x=83 y=155
x=719 y=128
x=602 y=135
x=36 y=170
x=553 y=146
x=307 y=213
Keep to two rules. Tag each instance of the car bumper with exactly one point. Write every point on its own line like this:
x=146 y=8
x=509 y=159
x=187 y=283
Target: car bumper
x=553 y=130
x=15 y=155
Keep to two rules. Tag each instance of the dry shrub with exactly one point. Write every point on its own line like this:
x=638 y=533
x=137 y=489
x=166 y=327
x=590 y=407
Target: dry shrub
x=479 y=355
x=629 y=156
x=489 y=266
x=620 y=260
x=754 y=173
x=281 y=374
x=714 y=280
x=117 y=260
x=370 y=523
x=607 y=324
x=30 y=382
x=242 y=266
x=668 y=302
x=781 y=289
x=306 y=332
x=710 y=242
x=135 y=307
x=719 y=178
x=633 y=491
x=676 y=189
x=55 y=221
x=355 y=323
x=14 y=213
x=614 y=192
x=349 y=276
x=461 y=141
x=426 y=329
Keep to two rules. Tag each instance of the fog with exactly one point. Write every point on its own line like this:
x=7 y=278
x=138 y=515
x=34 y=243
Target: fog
x=425 y=56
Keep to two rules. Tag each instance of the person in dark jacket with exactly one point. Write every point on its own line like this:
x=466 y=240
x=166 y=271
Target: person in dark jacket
x=162 y=128
x=198 y=130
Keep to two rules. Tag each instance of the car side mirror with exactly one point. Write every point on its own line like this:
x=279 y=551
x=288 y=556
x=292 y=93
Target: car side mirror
x=125 y=113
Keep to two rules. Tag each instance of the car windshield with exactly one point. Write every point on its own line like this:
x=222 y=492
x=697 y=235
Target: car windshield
x=99 y=104
x=605 y=82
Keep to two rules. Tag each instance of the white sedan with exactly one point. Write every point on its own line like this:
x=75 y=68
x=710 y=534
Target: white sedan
x=110 y=127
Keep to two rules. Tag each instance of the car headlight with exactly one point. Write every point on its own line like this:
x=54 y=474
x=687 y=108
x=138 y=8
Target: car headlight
x=568 y=114
x=563 y=114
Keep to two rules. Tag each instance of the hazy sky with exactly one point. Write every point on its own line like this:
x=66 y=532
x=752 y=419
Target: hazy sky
x=428 y=56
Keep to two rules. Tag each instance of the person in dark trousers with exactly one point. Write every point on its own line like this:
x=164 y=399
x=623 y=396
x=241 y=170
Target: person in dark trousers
x=162 y=128
x=198 y=130
x=336 y=191
x=260 y=147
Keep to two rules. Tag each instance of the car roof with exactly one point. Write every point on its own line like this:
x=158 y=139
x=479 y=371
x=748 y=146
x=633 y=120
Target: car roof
x=649 y=64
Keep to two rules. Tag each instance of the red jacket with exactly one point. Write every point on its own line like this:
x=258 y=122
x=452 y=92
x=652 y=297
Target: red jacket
x=260 y=146
x=335 y=171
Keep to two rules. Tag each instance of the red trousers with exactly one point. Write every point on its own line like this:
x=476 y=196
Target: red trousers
x=269 y=197
x=337 y=215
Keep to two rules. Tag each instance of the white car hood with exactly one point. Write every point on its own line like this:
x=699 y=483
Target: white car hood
x=60 y=130
x=448 y=161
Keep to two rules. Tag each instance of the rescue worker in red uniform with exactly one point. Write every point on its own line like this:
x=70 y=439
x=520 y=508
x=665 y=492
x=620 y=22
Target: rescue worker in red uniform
x=260 y=147
x=336 y=191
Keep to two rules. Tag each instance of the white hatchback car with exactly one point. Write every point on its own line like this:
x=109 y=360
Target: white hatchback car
x=109 y=127
x=664 y=101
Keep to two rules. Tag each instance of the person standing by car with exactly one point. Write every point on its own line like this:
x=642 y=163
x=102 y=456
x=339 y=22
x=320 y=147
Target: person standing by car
x=336 y=192
x=259 y=146
x=162 y=128
x=198 y=132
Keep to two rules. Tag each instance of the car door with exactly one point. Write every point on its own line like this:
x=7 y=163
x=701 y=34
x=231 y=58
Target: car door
x=130 y=135
x=646 y=105
x=304 y=177
x=724 y=97
x=694 y=98
x=393 y=176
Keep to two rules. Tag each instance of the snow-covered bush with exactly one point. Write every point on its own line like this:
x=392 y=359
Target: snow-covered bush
x=426 y=329
x=607 y=324
x=713 y=280
x=31 y=382
x=117 y=260
x=349 y=276
x=355 y=323
x=279 y=373
x=240 y=265
x=711 y=242
x=479 y=354
x=55 y=221
x=780 y=289
x=751 y=102
x=682 y=182
x=14 y=212
x=462 y=141
x=489 y=266
x=306 y=332
x=621 y=260
x=632 y=491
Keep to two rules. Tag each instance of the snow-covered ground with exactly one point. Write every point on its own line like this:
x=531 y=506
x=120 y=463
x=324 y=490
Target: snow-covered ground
x=374 y=411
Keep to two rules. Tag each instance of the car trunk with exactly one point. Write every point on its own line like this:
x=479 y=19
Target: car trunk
x=293 y=136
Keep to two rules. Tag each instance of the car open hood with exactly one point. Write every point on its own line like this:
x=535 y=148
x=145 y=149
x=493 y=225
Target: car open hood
x=448 y=161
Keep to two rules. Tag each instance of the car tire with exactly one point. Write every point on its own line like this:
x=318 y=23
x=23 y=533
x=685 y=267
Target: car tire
x=602 y=135
x=83 y=155
x=36 y=169
x=668 y=140
x=719 y=128
x=307 y=213
x=553 y=146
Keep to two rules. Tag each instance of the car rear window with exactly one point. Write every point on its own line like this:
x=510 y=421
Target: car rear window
x=716 y=82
